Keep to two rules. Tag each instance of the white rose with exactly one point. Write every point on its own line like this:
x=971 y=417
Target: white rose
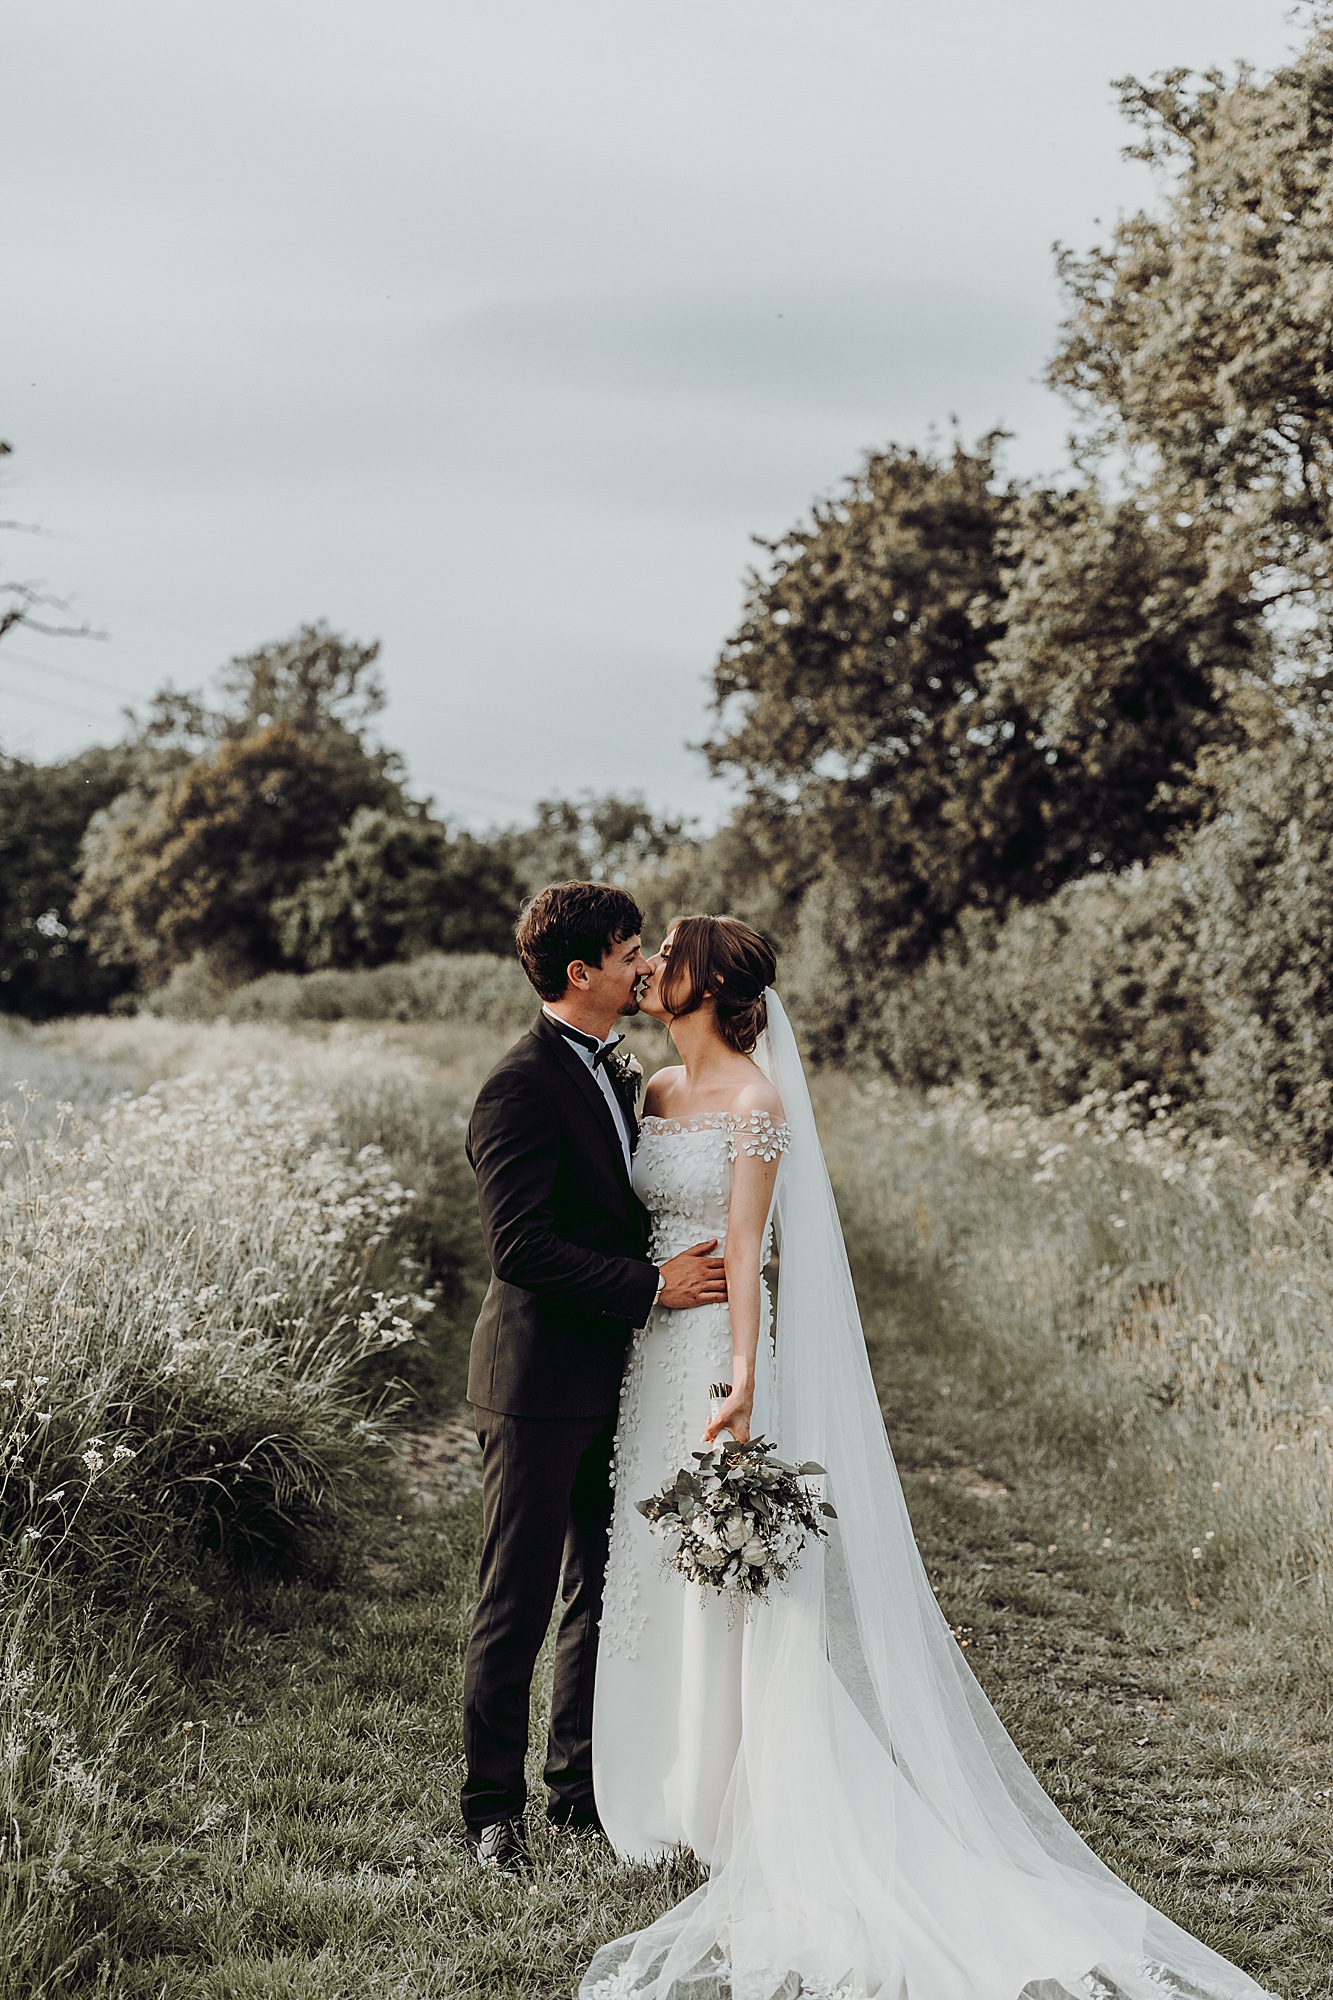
x=754 y=1554
x=734 y=1532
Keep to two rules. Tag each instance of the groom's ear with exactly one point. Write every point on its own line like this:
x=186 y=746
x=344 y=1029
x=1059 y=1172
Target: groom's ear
x=576 y=974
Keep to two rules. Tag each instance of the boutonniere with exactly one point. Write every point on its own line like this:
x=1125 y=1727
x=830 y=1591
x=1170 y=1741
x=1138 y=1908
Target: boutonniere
x=626 y=1068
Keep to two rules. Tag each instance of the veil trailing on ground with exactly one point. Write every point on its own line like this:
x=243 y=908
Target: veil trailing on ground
x=881 y=1835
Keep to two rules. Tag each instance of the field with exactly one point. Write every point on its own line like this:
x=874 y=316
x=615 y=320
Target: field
x=231 y=1654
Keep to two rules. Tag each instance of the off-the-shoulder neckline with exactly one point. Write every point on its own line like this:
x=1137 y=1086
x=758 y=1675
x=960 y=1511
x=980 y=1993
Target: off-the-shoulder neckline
x=702 y=1121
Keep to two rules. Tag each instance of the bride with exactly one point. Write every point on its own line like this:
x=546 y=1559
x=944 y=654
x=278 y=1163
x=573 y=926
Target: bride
x=868 y=1826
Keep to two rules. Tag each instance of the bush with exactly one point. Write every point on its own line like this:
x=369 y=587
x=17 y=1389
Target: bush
x=1262 y=880
x=1093 y=991
x=185 y=1323
x=1097 y=989
x=477 y=987
x=1208 y=976
x=190 y=1275
x=398 y=887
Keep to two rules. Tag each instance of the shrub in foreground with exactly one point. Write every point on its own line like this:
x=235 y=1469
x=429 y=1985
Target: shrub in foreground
x=184 y=1330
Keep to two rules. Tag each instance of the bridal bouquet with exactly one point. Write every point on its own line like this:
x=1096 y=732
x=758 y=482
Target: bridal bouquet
x=738 y=1519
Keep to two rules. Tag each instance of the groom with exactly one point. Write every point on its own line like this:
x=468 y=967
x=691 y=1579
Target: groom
x=551 y=1142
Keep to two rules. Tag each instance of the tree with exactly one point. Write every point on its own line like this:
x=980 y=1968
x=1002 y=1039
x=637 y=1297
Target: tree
x=199 y=863
x=398 y=887
x=1199 y=344
x=30 y=603
x=315 y=680
x=1123 y=661
x=228 y=807
x=600 y=837
x=952 y=693
x=44 y=810
x=1261 y=876
x=861 y=650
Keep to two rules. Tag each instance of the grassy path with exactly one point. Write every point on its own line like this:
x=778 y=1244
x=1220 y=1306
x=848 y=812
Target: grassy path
x=1086 y=1371
x=312 y=1850
x=1187 y=1754
x=313 y=1846
x=298 y=1837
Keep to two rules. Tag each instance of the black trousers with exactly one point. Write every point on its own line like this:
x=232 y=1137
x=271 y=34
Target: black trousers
x=546 y=1509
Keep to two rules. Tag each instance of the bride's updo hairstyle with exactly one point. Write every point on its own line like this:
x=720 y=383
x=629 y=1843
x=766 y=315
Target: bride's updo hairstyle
x=723 y=960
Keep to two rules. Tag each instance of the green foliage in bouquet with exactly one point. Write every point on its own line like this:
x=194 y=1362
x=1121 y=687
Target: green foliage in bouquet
x=739 y=1518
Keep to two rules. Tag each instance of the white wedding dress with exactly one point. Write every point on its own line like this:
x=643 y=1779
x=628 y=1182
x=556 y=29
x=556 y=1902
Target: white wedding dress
x=667 y=1698
x=869 y=1828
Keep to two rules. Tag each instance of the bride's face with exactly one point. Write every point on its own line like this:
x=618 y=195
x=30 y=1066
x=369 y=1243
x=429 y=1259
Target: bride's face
x=650 y=998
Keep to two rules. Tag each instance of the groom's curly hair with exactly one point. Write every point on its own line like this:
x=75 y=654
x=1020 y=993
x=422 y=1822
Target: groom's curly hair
x=568 y=921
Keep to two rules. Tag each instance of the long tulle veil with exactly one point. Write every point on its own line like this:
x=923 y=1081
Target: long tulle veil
x=881 y=1834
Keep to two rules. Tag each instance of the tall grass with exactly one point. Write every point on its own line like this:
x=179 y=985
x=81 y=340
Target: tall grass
x=1153 y=1312
x=1123 y=1323
x=183 y=1318
x=206 y=1289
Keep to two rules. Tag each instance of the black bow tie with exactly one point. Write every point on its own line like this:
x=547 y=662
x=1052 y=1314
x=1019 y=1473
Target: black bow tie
x=599 y=1051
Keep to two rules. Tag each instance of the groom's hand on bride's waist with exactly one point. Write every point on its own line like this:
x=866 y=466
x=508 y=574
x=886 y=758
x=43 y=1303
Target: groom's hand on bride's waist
x=695 y=1278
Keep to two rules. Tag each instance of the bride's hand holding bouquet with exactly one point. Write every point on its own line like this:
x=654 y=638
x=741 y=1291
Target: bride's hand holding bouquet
x=738 y=1519
x=732 y=1405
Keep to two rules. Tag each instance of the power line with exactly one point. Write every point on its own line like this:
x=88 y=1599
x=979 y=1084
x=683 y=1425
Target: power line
x=445 y=785
x=45 y=701
x=482 y=792
x=68 y=674
x=87 y=714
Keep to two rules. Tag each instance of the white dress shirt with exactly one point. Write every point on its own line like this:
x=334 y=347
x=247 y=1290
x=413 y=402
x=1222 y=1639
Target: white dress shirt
x=603 y=1081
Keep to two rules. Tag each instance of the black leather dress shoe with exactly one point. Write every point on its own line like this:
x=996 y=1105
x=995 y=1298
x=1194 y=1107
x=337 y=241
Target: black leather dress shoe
x=502 y=1847
x=574 y=1819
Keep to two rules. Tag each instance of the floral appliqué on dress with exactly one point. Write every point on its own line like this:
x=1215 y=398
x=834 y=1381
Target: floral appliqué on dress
x=682 y=1175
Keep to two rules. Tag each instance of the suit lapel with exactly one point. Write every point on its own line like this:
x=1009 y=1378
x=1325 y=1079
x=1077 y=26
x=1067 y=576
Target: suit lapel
x=574 y=1066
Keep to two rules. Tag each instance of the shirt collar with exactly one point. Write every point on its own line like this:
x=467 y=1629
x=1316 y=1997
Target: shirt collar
x=579 y=1036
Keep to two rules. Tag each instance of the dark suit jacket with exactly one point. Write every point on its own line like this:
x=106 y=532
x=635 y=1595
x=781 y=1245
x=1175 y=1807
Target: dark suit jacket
x=566 y=1235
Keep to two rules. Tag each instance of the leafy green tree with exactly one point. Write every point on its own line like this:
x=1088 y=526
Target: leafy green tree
x=228 y=806
x=398 y=887
x=950 y=693
x=1121 y=661
x=198 y=865
x=845 y=696
x=1199 y=341
x=1261 y=876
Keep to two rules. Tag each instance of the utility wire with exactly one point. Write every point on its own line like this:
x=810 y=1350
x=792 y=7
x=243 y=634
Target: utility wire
x=88 y=715
x=45 y=701
x=445 y=785
x=9 y=657
x=483 y=792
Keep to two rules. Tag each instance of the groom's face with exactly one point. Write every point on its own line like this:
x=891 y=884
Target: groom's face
x=613 y=986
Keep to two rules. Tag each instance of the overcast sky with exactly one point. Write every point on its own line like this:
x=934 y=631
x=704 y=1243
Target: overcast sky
x=495 y=328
